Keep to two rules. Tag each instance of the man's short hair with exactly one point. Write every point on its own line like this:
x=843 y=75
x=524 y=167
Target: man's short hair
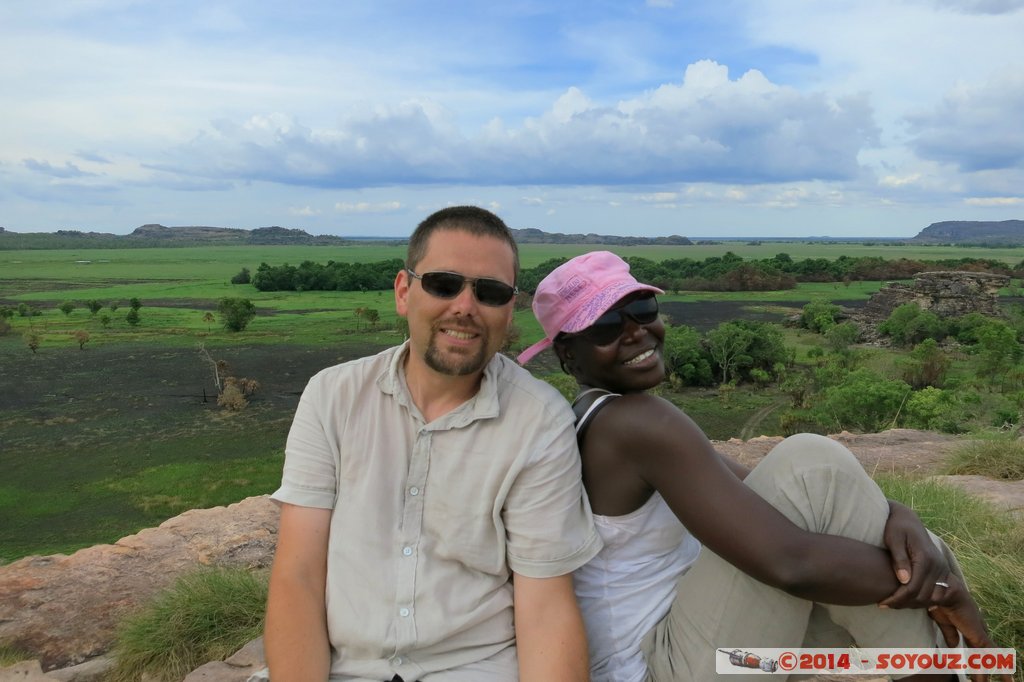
x=472 y=219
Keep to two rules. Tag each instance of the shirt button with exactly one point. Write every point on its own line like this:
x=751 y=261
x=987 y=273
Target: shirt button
x=414 y=491
x=404 y=613
x=407 y=551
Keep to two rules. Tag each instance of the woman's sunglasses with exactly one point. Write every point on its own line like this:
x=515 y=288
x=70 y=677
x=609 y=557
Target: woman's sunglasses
x=610 y=326
x=450 y=284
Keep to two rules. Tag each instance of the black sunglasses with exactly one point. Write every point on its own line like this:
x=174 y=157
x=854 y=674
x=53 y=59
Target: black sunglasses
x=610 y=326
x=449 y=285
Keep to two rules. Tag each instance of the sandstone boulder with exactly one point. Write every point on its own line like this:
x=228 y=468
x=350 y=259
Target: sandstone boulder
x=64 y=609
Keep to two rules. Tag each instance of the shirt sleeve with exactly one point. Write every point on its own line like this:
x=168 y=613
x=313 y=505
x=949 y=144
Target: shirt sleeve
x=310 y=456
x=549 y=526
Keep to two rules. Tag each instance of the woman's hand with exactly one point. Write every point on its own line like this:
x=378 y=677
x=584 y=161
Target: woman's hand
x=956 y=614
x=916 y=561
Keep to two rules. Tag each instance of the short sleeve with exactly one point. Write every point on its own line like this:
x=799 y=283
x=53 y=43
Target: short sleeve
x=309 y=478
x=549 y=526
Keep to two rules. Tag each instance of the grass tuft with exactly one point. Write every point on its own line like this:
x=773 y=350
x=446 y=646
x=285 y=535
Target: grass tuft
x=203 y=617
x=10 y=655
x=988 y=543
x=1000 y=459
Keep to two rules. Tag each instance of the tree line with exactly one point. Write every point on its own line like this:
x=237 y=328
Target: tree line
x=728 y=272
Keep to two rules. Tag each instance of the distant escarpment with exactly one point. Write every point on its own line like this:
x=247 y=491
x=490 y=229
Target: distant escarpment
x=973 y=232
x=153 y=235
x=532 y=235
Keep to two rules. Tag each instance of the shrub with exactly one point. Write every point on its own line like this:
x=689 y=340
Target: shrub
x=927 y=365
x=243 y=277
x=66 y=307
x=819 y=316
x=81 y=338
x=236 y=313
x=5 y=327
x=864 y=401
x=134 y=304
x=132 y=317
x=908 y=324
x=935 y=409
x=204 y=616
x=840 y=337
x=94 y=306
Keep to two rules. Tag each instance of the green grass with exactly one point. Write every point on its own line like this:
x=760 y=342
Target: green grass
x=1000 y=459
x=203 y=617
x=102 y=483
x=10 y=655
x=988 y=544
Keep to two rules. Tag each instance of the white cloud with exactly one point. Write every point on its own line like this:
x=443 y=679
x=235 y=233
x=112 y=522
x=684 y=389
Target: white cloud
x=994 y=201
x=304 y=211
x=367 y=207
x=708 y=127
x=68 y=170
x=976 y=127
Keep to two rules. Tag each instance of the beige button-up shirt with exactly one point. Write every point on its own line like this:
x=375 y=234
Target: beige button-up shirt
x=430 y=518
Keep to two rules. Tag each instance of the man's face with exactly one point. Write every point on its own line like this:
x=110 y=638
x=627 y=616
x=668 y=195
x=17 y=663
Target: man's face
x=456 y=336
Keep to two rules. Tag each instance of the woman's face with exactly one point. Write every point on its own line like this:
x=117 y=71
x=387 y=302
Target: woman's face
x=631 y=360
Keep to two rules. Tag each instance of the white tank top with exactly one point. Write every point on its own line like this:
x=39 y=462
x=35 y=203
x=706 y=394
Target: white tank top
x=629 y=586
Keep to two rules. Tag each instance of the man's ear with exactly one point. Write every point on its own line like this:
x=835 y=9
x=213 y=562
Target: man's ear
x=402 y=284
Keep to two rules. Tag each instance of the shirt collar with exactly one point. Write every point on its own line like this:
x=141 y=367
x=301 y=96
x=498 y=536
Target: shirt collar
x=484 y=405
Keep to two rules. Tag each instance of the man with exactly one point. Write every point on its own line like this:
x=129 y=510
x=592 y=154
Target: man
x=417 y=482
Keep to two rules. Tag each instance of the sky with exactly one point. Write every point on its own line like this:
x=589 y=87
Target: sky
x=701 y=118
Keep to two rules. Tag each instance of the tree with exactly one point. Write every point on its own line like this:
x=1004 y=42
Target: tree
x=372 y=316
x=236 y=313
x=243 y=277
x=132 y=317
x=727 y=344
x=105 y=320
x=927 y=365
x=839 y=337
x=134 y=304
x=819 y=316
x=82 y=338
x=66 y=307
x=998 y=349
x=209 y=319
x=32 y=341
x=114 y=305
x=685 y=357
x=94 y=306
x=6 y=313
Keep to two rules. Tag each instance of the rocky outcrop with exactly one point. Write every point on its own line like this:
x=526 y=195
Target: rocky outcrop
x=64 y=609
x=947 y=294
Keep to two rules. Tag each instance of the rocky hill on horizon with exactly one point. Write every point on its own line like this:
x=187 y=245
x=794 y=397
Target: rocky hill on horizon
x=973 y=233
x=156 y=235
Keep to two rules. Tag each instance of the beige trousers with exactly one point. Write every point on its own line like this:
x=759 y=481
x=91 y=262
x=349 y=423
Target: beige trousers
x=820 y=486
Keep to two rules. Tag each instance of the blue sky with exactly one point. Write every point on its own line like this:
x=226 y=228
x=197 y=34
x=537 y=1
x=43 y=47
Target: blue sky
x=700 y=118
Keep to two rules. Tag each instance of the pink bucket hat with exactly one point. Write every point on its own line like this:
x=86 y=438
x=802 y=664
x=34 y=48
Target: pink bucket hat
x=576 y=293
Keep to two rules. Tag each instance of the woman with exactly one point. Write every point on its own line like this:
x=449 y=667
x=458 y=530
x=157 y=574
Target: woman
x=793 y=548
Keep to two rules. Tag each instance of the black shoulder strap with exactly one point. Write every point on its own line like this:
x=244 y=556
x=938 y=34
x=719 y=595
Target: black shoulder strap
x=586 y=410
